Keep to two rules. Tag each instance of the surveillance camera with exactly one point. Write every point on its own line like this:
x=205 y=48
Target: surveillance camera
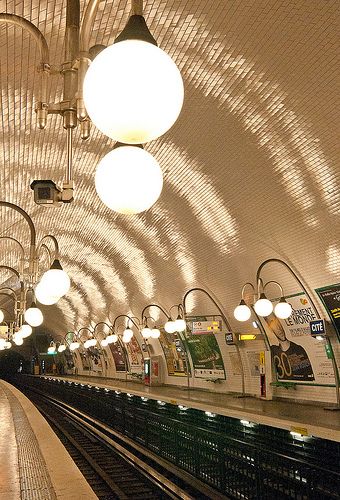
x=47 y=193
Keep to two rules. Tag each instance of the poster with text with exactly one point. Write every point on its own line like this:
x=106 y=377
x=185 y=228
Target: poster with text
x=135 y=355
x=174 y=353
x=296 y=355
x=206 y=356
x=330 y=297
x=118 y=357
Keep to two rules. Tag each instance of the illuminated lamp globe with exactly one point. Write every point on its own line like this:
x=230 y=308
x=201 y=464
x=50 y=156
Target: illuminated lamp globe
x=242 y=312
x=170 y=327
x=111 y=339
x=128 y=333
x=18 y=340
x=2 y=344
x=74 y=346
x=25 y=330
x=104 y=343
x=42 y=294
x=2 y=316
x=133 y=92
x=282 y=309
x=56 y=280
x=33 y=316
x=146 y=332
x=155 y=333
x=8 y=345
x=180 y=325
x=128 y=180
x=263 y=306
x=62 y=348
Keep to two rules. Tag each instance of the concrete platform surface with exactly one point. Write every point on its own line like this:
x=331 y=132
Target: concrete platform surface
x=312 y=420
x=34 y=464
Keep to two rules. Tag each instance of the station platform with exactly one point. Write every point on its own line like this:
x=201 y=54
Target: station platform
x=305 y=419
x=33 y=462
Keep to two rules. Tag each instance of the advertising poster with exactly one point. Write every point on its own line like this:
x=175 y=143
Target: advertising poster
x=296 y=355
x=95 y=359
x=253 y=358
x=330 y=297
x=206 y=356
x=118 y=357
x=85 y=360
x=174 y=353
x=135 y=355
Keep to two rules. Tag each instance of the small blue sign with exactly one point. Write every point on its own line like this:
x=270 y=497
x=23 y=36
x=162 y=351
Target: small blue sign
x=317 y=327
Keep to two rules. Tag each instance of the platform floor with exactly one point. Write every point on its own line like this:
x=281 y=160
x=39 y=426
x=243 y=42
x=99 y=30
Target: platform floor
x=303 y=418
x=34 y=464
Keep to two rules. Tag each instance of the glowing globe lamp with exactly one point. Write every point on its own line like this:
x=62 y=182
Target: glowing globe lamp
x=282 y=309
x=56 y=280
x=263 y=306
x=128 y=180
x=8 y=345
x=180 y=325
x=146 y=332
x=25 y=330
x=111 y=339
x=133 y=91
x=170 y=326
x=155 y=333
x=242 y=312
x=74 y=346
x=104 y=342
x=43 y=294
x=2 y=316
x=33 y=316
x=2 y=344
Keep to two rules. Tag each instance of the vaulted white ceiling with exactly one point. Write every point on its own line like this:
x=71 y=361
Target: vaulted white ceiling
x=251 y=167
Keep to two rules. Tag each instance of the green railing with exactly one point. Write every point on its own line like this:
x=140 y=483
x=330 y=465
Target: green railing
x=242 y=461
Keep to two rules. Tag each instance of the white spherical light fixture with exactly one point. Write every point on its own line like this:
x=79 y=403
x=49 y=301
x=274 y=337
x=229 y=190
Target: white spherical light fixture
x=170 y=326
x=43 y=294
x=146 y=332
x=25 y=330
x=74 y=346
x=155 y=333
x=104 y=342
x=55 y=282
x=8 y=345
x=180 y=325
x=33 y=316
x=263 y=306
x=111 y=339
x=2 y=316
x=128 y=180
x=242 y=312
x=283 y=309
x=133 y=91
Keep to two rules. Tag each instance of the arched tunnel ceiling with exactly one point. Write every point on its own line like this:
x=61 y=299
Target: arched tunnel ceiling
x=251 y=167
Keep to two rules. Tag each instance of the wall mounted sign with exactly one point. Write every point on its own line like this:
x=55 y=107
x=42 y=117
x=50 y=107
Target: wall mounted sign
x=317 y=327
x=297 y=355
x=202 y=327
x=330 y=297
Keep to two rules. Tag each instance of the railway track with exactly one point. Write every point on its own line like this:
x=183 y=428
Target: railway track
x=113 y=465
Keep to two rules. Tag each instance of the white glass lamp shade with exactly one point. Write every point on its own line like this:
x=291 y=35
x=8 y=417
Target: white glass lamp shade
x=62 y=348
x=282 y=309
x=43 y=294
x=180 y=325
x=155 y=333
x=111 y=339
x=2 y=316
x=126 y=338
x=263 y=306
x=87 y=343
x=133 y=92
x=25 y=330
x=56 y=281
x=74 y=346
x=242 y=312
x=146 y=332
x=170 y=326
x=51 y=349
x=33 y=316
x=104 y=342
x=2 y=343
x=128 y=180
x=128 y=333
x=7 y=345
x=17 y=339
